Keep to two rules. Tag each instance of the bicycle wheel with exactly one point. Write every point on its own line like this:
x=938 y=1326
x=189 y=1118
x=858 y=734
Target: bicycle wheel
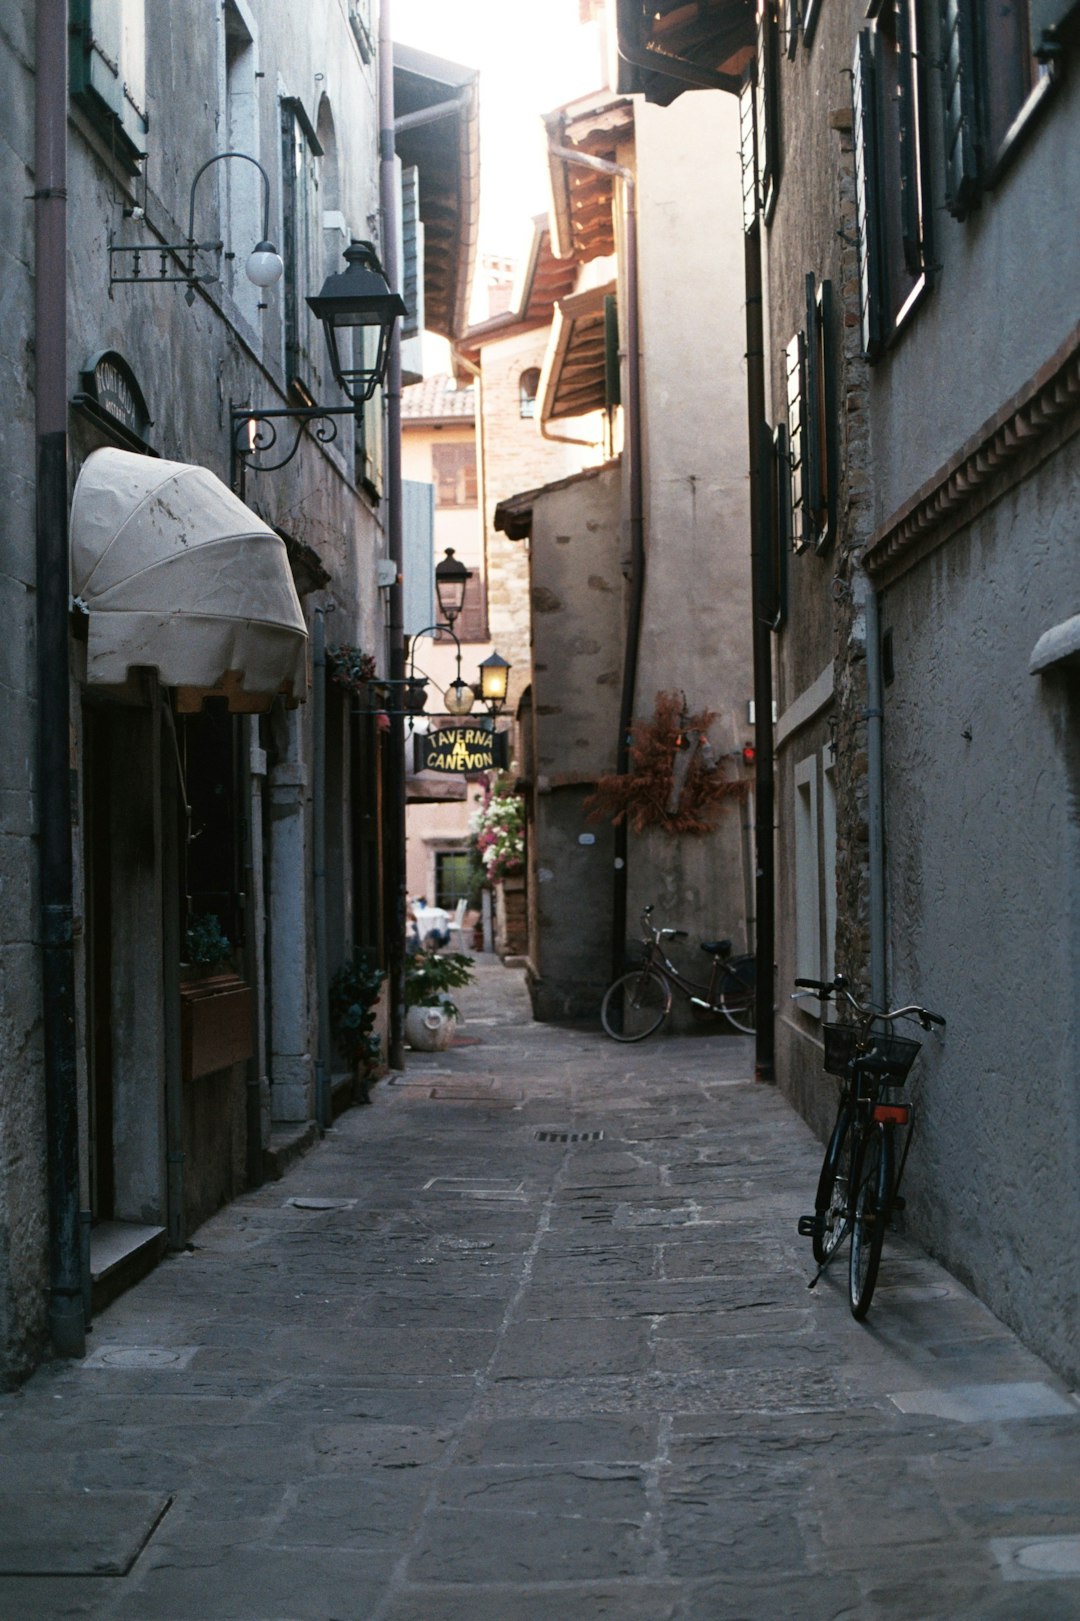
x=873 y=1188
x=635 y=1005
x=738 y=994
x=830 y=1205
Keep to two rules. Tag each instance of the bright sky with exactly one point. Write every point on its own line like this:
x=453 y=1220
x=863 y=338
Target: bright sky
x=531 y=59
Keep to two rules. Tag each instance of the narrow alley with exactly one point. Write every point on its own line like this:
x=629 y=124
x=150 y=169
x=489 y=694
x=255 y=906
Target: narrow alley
x=529 y=1339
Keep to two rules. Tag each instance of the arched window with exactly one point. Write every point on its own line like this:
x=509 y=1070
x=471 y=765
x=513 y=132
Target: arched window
x=528 y=385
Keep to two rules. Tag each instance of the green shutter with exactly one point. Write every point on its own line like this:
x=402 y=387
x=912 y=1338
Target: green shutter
x=867 y=192
x=813 y=424
x=412 y=242
x=777 y=508
x=612 y=369
x=829 y=414
x=958 y=82
x=108 y=71
x=911 y=213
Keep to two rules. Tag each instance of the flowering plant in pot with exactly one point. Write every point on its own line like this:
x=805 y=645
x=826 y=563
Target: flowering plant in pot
x=497 y=832
x=354 y=992
x=431 y=1015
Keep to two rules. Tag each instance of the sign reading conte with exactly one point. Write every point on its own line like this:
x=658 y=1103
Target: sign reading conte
x=459 y=749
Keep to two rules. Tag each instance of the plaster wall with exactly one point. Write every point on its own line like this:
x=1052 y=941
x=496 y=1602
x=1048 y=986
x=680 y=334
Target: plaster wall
x=983 y=829
x=578 y=605
x=696 y=618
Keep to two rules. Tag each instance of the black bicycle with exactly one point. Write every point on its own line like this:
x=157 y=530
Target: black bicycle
x=859 y=1186
x=639 y=1001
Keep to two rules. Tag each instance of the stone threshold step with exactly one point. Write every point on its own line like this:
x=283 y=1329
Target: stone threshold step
x=121 y=1252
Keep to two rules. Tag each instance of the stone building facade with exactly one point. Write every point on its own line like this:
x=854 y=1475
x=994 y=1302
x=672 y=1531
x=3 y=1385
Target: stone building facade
x=212 y=756
x=920 y=401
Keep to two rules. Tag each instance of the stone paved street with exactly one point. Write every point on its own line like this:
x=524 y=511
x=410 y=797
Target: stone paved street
x=530 y=1340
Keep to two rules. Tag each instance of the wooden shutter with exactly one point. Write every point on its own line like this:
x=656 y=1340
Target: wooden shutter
x=108 y=70
x=911 y=203
x=748 y=151
x=778 y=510
x=418 y=556
x=867 y=195
x=412 y=254
x=471 y=624
x=958 y=83
x=791 y=26
x=612 y=368
x=814 y=426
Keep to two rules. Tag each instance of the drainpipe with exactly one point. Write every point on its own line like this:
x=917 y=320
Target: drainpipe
x=620 y=877
x=394 y=871
x=875 y=792
x=762 y=609
x=323 y=1105
x=66 y=1312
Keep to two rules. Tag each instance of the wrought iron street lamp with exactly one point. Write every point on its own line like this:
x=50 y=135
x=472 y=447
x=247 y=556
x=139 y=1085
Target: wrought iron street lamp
x=351 y=303
x=494 y=682
x=451 y=581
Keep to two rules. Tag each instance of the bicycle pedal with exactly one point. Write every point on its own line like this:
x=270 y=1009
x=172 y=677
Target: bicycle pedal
x=811 y=1226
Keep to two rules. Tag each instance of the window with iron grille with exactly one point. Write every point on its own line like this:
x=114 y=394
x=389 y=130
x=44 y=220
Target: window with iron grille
x=768 y=105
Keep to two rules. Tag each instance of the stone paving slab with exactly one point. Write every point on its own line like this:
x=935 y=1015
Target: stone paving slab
x=451 y=1369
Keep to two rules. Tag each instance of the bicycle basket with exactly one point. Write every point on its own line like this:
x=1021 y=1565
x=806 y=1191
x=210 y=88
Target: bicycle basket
x=890 y=1057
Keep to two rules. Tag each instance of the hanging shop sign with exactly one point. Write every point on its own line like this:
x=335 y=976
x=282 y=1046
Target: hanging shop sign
x=458 y=750
x=111 y=394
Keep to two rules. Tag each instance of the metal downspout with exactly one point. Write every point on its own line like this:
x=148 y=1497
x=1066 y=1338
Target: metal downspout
x=323 y=1106
x=875 y=793
x=67 y=1325
x=395 y=875
x=620 y=874
x=761 y=599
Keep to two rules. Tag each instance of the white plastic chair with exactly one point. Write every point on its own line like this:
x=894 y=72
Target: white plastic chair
x=456 y=926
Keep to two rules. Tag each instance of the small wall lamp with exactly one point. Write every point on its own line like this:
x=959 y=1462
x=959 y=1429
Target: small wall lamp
x=263 y=266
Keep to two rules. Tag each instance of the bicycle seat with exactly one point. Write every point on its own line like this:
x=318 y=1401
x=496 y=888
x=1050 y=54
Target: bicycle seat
x=717 y=948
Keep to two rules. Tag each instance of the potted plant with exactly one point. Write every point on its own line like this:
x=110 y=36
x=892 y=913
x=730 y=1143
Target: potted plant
x=354 y=992
x=216 y=1007
x=431 y=1015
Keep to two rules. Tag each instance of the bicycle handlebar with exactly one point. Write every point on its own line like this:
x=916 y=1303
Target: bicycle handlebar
x=826 y=989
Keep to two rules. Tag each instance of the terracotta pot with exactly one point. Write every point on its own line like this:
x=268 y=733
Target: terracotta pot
x=429 y=1029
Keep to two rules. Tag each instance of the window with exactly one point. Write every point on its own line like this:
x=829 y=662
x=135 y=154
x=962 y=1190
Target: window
x=828 y=842
x=768 y=106
x=453 y=878
x=108 y=72
x=997 y=66
x=471 y=624
x=890 y=182
x=809 y=20
x=528 y=385
x=363 y=33
x=241 y=183
x=812 y=424
x=807 y=879
x=300 y=150
x=454 y=469
x=748 y=157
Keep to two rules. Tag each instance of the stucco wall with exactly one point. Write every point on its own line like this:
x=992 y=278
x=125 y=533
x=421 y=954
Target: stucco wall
x=983 y=826
x=696 y=618
x=577 y=597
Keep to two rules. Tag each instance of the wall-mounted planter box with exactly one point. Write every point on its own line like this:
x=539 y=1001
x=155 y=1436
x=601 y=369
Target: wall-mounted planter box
x=216 y=1024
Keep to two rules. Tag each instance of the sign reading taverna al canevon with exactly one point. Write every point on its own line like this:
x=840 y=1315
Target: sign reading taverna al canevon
x=457 y=750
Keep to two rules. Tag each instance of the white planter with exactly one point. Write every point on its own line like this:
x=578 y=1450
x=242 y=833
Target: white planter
x=429 y=1029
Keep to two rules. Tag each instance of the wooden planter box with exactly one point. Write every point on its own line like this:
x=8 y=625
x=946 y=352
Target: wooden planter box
x=217 y=1026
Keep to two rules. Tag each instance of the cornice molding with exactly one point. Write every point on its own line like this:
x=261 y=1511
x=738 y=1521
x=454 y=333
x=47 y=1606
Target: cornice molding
x=1023 y=433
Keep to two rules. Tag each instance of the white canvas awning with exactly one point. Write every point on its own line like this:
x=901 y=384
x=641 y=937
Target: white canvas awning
x=176 y=573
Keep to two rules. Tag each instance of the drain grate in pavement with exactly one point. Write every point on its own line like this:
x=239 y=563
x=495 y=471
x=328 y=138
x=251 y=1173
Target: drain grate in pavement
x=569 y=1136
x=488 y=1188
